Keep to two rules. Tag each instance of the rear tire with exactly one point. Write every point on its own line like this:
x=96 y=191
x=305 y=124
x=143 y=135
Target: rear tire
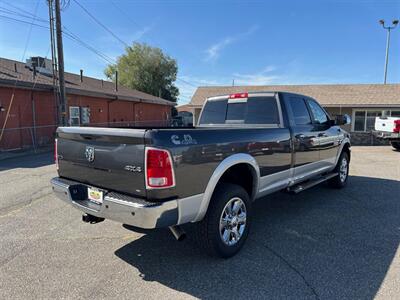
x=342 y=168
x=396 y=145
x=224 y=229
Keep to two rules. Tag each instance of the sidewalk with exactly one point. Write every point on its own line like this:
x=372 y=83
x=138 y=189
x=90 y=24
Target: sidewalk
x=24 y=152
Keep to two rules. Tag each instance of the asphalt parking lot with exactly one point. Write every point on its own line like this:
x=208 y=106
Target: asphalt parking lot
x=321 y=244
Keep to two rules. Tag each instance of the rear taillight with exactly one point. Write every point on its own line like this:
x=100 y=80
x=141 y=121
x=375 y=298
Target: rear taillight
x=396 y=128
x=56 y=153
x=159 y=169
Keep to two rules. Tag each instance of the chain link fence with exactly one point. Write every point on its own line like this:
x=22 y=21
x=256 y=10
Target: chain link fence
x=27 y=137
x=20 y=138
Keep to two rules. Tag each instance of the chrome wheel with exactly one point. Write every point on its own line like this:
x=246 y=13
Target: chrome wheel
x=343 y=170
x=232 y=221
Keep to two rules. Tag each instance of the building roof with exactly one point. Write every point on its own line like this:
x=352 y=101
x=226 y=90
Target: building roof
x=184 y=107
x=89 y=86
x=329 y=95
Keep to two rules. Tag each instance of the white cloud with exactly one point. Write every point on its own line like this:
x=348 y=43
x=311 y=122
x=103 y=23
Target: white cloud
x=254 y=79
x=202 y=81
x=186 y=90
x=213 y=52
x=106 y=40
x=262 y=77
x=268 y=69
x=140 y=33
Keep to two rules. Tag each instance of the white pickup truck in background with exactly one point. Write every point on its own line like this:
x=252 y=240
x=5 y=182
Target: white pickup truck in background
x=388 y=128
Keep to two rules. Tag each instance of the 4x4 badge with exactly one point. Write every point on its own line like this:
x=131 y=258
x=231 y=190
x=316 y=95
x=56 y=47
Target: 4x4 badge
x=89 y=153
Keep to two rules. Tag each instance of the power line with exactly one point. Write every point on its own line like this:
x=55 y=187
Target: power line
x=125 y=14
x=127 y=17
x=101 y=24
x=78 y=40
x=74 y=37
x=184 y=81
x=19 y=14
x=70 y=36
x=23 y=21
x=25 y=14
x=18 y=8
x=16 y=79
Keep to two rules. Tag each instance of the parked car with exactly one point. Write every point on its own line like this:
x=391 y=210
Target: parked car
x=244 y=147
x=183 y=119
x=388 y=128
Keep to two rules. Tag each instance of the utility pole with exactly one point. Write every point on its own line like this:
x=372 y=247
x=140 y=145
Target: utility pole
x=57 y=117
x=388 y=28
x=60 y=60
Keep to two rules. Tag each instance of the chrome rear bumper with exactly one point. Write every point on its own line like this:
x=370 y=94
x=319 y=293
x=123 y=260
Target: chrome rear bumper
x=118 y=207
x=387 y=135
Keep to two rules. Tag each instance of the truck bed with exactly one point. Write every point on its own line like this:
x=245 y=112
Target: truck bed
x=196 y=152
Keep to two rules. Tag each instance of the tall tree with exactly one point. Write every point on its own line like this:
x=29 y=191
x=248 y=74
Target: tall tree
x=146 y=69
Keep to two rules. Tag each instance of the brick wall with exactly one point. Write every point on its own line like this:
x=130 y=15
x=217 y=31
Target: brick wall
x=20 y=133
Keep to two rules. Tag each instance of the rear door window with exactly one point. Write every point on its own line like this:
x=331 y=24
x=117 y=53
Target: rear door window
x=300 y=112
x=262 y=110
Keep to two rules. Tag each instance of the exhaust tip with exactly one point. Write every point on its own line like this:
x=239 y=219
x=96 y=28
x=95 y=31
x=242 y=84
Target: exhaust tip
x=178 y=232
x=91 y=219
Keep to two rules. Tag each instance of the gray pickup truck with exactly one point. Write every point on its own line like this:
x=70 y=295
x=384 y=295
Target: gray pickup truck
x=244 y=147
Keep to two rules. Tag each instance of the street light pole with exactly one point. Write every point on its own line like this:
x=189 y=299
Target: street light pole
x=387 y=54
x=388 y=28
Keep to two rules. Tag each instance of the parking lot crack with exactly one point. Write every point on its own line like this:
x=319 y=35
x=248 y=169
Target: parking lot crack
x=294 y=269
x=7 y=211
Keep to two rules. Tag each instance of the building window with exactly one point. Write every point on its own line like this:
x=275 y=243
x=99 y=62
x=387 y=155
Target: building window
x=359 y=121
x=74 y=116
x=364 y=120
x=85 y=115
x=395 y=113
x=370 y=121
x=79 y=115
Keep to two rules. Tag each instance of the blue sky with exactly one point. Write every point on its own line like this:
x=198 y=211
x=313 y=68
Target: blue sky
x=217 y=41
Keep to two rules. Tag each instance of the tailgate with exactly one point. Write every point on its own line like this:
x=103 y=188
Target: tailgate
x=384 y=124
x=108 y=158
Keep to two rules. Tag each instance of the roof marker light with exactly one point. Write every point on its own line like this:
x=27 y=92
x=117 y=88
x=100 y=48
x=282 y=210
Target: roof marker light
x=239 y=96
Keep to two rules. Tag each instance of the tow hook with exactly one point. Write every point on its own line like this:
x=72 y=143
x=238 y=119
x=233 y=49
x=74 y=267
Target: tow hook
x=178 y=232
x=91 y=219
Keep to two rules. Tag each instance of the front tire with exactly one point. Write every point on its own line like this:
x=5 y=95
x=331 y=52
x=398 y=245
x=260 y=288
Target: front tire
x=224 y=229
x=396 y=145
x=342 y=168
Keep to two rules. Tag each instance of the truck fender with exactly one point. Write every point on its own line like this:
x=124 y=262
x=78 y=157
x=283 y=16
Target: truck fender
x=344 y=142
x=228 y=162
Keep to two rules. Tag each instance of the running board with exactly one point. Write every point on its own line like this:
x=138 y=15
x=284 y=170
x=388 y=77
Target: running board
x=309 y=184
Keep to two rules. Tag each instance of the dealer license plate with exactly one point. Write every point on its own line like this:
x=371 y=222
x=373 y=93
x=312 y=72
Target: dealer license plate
x=95 y=195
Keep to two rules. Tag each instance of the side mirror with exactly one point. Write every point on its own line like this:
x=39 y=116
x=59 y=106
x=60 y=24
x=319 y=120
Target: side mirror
x=342 y=120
